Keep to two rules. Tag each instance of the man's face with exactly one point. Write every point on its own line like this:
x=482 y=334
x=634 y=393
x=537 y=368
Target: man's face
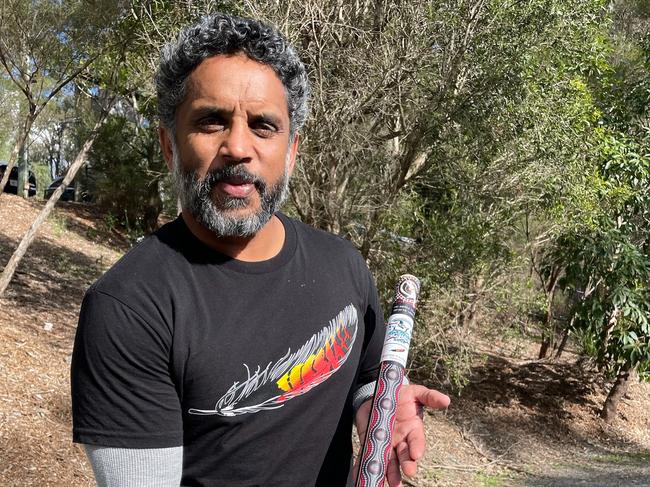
x=231 y=157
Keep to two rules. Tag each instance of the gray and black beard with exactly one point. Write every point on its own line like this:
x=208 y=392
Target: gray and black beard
x=196 y=197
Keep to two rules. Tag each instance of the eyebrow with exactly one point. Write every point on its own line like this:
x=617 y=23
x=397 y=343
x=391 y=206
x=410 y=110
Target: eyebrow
x=223 y=113
x=211 y=112
x=266 y=117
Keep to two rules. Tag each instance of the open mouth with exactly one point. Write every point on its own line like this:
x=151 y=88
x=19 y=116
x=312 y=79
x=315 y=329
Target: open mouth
x=235 y=181
x=235 y=187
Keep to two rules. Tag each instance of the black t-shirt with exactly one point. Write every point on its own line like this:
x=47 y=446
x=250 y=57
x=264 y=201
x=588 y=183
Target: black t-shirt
x=249 y=366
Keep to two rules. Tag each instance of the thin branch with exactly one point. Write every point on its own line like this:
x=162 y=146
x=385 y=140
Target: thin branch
x=65 y=81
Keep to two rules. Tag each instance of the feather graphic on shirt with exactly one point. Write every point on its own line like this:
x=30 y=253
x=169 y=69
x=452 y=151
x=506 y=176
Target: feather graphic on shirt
x=295 y=373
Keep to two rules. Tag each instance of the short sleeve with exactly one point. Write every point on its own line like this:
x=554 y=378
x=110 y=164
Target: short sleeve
x=375 y=328
x=122 y=392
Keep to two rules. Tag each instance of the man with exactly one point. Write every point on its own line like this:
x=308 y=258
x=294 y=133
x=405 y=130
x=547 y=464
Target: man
x=228 y=348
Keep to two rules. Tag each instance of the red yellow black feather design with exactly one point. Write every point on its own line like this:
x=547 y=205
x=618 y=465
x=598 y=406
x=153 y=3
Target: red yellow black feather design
x=295 y=373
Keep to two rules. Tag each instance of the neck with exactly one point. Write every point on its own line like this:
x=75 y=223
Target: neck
x=264 y=245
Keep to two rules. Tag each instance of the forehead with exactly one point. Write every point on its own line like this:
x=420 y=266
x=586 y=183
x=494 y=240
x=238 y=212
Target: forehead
x=229 y=81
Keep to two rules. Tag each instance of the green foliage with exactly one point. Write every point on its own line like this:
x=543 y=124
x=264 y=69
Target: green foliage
x=59 y=224
x=128 y=170
x=599 y=237
x=111 y=222
x=43 y=179
x=429 y=151
x=614 y=316
x=606 y=261
x=489 y=480
x=10 y=115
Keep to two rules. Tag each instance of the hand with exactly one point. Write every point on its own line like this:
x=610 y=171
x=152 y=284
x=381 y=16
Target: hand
x=408 y=434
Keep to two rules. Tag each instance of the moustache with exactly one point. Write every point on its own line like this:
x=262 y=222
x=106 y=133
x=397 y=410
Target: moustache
x=229 y=173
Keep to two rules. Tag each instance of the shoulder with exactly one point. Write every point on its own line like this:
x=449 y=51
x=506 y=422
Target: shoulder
x=332 y=248
x=333 y=258
x=146 y=269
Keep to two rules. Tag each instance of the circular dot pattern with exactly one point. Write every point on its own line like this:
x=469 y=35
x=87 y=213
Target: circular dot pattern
x=381 y=434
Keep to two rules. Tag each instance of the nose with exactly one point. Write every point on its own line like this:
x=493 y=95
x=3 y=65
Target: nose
x=236 y=146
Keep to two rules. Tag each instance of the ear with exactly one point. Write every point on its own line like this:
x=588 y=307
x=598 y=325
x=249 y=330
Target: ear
x=164 y=137
x=293 y=152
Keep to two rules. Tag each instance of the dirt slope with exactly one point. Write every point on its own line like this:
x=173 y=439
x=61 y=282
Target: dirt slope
x=519 y=423
x=35 y=425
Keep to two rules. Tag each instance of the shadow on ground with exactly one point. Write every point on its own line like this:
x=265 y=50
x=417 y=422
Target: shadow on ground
x=539 y=386
x=509 y=409
x=612 y=475
x=60 y=408
x=50 y=277
x=76 y=217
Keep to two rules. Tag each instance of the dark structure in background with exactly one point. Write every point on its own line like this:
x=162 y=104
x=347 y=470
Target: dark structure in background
x=68 y=194
x=12 y=184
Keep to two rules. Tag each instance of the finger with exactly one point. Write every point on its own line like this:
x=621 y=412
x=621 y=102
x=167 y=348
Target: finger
x=408 y=465
x=393 y=475
x=355 y=466
x=416 y=441
x=430 y=397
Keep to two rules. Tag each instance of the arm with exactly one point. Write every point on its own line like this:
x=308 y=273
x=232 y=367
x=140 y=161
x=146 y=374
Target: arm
x=125 y=407
x=136 y=467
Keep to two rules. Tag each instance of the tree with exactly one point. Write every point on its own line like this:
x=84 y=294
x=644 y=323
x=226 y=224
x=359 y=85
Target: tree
x=109 y=75
x=605 y=261
x=128 y=170
x=430 y=151
x=131 y=179
x=52 y=133
x=45 y=45
x=602 y=249
x=400 y=108
x=28 y=238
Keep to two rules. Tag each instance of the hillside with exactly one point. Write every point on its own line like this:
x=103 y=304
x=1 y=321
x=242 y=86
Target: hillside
x=520 y=422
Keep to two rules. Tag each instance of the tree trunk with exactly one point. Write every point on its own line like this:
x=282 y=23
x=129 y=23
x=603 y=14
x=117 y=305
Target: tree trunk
x=543 y=349
x=28 y=238
x=153 y=208
x=565 y=339
x=468 y=313
x=378 y=17
x=618 y=390
x=23 y=173
x=19 y=148
x=547 y=340
x=11 y=163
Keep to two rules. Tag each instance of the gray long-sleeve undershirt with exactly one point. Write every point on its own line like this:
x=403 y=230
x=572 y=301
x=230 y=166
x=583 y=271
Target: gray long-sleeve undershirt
x=136 y=467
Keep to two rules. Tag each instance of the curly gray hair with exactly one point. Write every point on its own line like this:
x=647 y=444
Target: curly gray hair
x=220 y=33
